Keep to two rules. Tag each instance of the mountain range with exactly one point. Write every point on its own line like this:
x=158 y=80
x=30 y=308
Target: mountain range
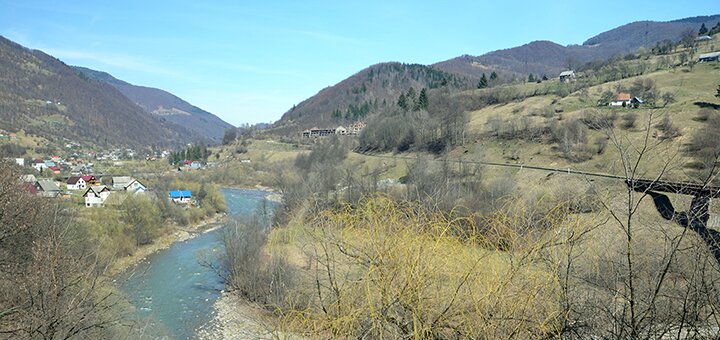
x=43 y=96
x=383 y=83
x=166 y=105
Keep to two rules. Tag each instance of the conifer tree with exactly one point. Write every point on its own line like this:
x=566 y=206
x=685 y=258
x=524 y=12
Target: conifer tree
x=493 y=76
x=483 y=82
x=402 y=102
x=703 y=30
x=422 y=102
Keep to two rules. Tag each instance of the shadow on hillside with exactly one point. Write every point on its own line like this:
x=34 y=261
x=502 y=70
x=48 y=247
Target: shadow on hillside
x=707 y=105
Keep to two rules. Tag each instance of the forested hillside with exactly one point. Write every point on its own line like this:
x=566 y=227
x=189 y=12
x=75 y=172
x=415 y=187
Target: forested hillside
x=166 y=105
x=42 y=96
x=369 y=91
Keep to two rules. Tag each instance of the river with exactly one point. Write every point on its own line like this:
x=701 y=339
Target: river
x=172 y=293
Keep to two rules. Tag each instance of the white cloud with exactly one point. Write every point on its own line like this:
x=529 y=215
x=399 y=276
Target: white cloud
x=126 y=62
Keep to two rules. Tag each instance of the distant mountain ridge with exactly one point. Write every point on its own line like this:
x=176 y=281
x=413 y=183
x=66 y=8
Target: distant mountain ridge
x=378 y=86
x=45 y=97
x=549 y=58
x=165 y=104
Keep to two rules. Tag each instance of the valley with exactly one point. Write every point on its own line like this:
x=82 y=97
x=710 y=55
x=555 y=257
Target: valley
x=532 y=192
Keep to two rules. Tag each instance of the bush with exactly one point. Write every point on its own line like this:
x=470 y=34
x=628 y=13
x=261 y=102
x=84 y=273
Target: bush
x=628 y=120
x=668 y=129
x=572 y=140
x=598 y=120
x=703 y=115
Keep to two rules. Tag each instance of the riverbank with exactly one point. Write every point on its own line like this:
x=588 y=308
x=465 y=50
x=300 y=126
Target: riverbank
x=178 y=235
x=235 y=318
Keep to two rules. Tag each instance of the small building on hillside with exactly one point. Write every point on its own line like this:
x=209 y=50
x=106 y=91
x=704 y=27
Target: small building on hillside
x=95 y=196
x=567 y=76
x=30 y=188
x=76 y=183
x=28 y=178
x=180 y=196
x=708 y=57
x=81 y=182
x=621 y=99
x=39 y=165
x=55 y=169
x=20 y=161
x=341 y=131
x=47 y=188
x=128 y=183
x=703 y=38
x=356 y=128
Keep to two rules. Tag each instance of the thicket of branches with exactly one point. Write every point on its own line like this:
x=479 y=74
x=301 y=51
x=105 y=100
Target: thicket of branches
x=51 y=278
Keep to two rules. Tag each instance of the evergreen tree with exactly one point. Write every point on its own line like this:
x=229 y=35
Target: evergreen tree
x=715 y=29
x=718 y=92
x=531 y=78
x=422 y=102
x=402 y=102
x=493 y=76
x=703 y=30
x=483 y=82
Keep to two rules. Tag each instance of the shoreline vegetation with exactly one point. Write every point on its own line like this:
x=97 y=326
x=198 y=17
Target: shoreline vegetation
x=180 y=234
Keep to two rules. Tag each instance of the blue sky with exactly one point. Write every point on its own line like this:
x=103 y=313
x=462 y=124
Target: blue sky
x=250 y=61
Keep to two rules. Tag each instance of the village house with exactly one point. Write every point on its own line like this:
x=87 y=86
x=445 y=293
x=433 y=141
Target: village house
x=80 y=182
x=567 y=76
x=625 y=100
x=703 y=38
x=180 y=196
x=128 y=183
x=47 y=188
x=55 y=169
x=708 y=57
x=356 y=128
x=28 y=178
x=39 y=165
x=95 y=196
x=341 y=131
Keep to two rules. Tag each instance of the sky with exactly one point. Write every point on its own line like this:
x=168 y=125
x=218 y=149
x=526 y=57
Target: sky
x=250 y=61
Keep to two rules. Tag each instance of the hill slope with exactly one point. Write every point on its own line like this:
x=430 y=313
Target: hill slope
x=368 y=91
x=546 y=57
x=375 y=88
x=45 y=97
x=165 y=104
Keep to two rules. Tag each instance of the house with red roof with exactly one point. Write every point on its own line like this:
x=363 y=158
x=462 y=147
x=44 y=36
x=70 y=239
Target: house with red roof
x=624 y=99
x=80 y=182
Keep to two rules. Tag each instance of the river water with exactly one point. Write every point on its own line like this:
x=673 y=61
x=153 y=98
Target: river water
x=173 y=294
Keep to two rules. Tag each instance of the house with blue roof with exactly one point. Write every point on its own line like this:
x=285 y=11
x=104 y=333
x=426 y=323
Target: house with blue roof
x=180 y=196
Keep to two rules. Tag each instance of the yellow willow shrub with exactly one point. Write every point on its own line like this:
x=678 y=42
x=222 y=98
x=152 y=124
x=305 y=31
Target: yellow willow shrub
x=386 y=269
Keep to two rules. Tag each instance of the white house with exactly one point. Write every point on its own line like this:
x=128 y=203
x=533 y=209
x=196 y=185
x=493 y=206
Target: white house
x=95 y=196
x=567 y=76
x=76 y=183
x=39 y=165
x=128 y=183
x=621 y=99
